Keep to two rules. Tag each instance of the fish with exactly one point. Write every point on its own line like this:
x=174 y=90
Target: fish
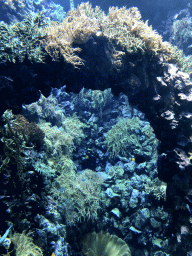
x=62 y=189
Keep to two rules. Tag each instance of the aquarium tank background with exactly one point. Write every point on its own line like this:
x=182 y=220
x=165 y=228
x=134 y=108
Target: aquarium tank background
x=96 y=128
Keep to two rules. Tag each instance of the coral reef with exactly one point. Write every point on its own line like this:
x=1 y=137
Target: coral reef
x=157 y=188
x=113 y=194
x=17 y=136
x=19 y=129
x=180 y=30
x=62 y=140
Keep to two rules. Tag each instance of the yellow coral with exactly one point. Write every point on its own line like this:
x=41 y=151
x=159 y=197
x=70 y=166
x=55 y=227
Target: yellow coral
x=76 y=28
x=130 y=20
x=121 y=26
x=24 y=245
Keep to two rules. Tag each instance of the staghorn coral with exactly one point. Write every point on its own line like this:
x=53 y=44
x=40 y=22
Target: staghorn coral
x=81 y=26
x=121 y=27
x=79 y=194
x=62 y=141
x=129 y=138
x=119 y=34
x=76 y=28
x=24 y=245
x=130 y=20
x=22 y=40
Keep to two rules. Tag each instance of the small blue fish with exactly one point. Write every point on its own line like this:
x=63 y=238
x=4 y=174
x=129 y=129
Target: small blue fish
x=61 y=189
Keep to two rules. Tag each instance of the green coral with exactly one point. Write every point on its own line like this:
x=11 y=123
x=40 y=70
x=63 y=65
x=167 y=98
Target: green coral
x=78 y=193
x=128 y=138
x=24 y=245
x=96 y=99
x=122 y=37
x=22 y=39
x=62 y=140
x=184 y=62
x=181 y=31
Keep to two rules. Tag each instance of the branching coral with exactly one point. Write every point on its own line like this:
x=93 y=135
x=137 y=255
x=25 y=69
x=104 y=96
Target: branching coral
x=130 y=26
x=24 y=245
x=22 y=40
x=157 y=188
x=78 y=193
x=119 y=34
x=61 y=141
x=76 y=28
x=129 y=138
x=121 y=26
